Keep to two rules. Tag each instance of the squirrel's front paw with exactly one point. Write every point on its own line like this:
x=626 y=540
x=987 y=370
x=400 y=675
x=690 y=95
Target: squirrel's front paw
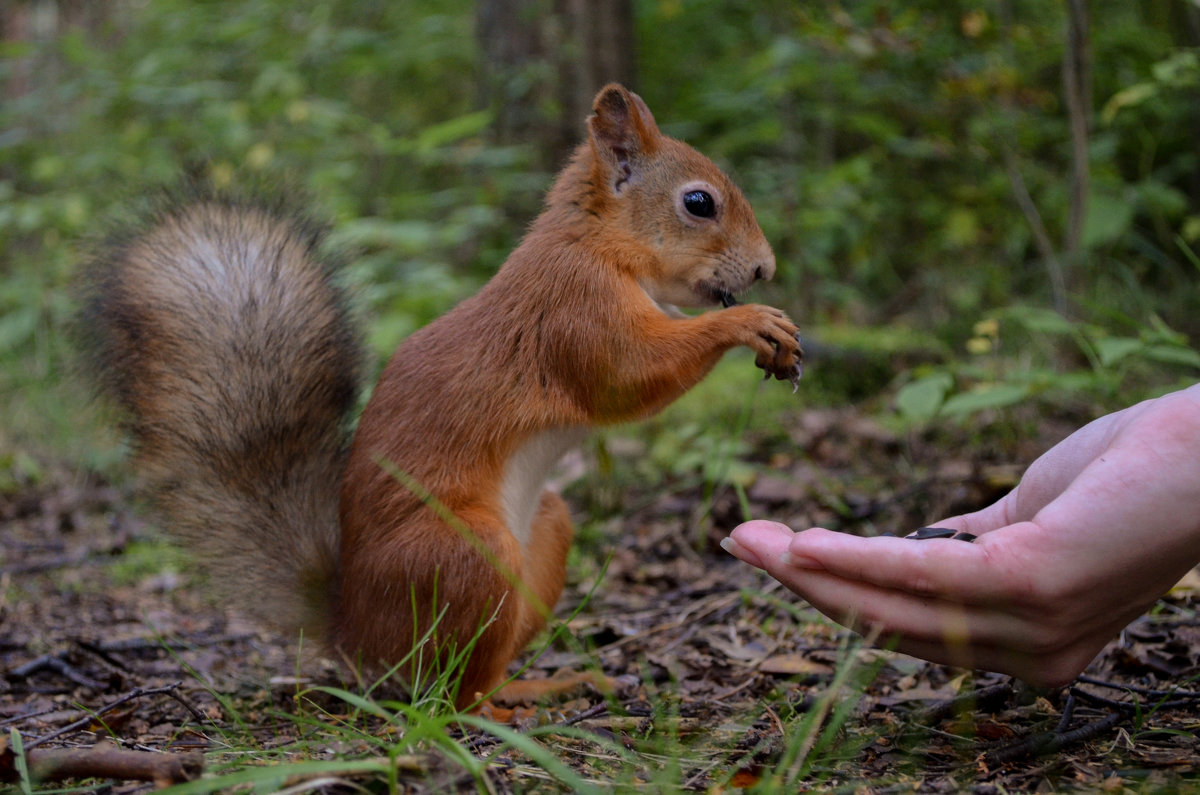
x=787 y=362
x=777 y=345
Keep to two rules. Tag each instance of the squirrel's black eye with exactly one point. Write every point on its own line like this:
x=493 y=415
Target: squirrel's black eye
x=699 y=203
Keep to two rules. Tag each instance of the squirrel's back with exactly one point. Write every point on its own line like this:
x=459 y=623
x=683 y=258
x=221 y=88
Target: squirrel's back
x=220 y=330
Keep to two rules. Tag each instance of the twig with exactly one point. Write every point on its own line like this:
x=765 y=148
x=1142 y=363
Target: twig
x=724 y=694
x=776 y=722
x=158 y=644
x=1130 y=706
x=28 y=715
x=1141 y=691
x=105 y=760
x=590 y=712
x=1041 y=238
x=55 y=662
x=983 y=698
x=36 y=566
x=137 y=692
x=1049 y=742
x=1067 y=713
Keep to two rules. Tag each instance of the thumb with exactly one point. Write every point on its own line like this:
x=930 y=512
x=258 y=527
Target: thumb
x=998 y=514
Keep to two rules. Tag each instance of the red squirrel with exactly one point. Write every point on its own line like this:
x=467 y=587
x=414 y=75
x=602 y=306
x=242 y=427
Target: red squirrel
x=221 y=331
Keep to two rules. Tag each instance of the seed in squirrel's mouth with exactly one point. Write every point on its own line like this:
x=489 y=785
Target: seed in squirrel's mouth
x=727 y=299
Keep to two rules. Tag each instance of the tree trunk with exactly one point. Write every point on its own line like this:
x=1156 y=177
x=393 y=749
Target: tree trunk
x=513 y=42
x=38 y=21
x=545 y=60
x=597 y=48
x=1077 y=89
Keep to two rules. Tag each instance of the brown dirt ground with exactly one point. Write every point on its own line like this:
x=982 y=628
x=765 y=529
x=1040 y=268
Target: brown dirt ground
x=720 y=658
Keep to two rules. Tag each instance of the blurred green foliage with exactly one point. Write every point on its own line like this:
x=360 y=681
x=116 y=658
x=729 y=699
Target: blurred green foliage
x=878 y=142
x=873 y=138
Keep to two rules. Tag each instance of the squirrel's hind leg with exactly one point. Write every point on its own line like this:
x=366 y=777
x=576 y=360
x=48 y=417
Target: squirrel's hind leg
x=545 y=568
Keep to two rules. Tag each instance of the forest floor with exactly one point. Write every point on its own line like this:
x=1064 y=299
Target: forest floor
x=730 y=682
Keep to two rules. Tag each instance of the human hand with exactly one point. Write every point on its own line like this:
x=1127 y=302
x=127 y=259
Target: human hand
x=1100 y=526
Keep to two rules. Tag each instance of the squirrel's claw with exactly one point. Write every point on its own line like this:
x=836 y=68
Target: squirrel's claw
x=798 y=373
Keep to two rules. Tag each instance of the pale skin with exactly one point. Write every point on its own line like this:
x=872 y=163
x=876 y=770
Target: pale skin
x=1101 y=526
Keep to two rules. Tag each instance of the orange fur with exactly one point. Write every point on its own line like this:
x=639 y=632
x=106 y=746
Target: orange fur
x=577 y=329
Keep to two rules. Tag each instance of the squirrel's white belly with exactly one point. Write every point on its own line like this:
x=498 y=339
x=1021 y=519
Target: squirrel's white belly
x=525 y=476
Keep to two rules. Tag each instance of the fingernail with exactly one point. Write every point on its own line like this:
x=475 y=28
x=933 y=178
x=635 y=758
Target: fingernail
x=801 y=561
x=732 y=547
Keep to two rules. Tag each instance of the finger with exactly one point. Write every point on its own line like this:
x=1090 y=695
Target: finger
x=1014 y=620
x=866 y=607
x=754 y=542
x=1001 y=659
x=1052 y=668
x=1057 y=469
x=961 y=655
x=730 y=545
x=987 y=636
x=979 y=573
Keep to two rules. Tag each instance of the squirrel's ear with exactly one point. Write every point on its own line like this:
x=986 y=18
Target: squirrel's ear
x=622 y=131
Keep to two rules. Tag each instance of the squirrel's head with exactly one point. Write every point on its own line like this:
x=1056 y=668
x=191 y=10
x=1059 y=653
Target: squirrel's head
x=706 y=242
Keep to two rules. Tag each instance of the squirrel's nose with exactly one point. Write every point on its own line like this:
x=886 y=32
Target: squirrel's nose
x=766 y=268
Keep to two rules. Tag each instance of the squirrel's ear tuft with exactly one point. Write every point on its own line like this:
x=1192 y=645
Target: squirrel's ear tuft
x=622 y=131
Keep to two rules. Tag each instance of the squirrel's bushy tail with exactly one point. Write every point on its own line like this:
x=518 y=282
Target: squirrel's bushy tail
x=219 y=329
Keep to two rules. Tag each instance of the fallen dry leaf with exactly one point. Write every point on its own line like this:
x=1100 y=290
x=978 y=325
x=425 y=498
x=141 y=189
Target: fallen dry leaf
x=792 y=664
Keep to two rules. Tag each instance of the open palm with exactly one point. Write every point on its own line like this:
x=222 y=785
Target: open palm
x=1100 y=526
